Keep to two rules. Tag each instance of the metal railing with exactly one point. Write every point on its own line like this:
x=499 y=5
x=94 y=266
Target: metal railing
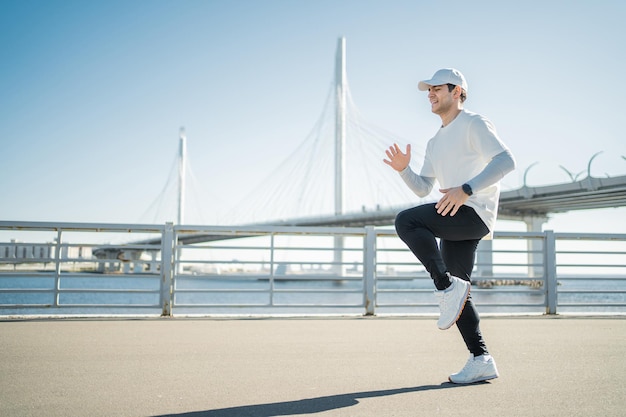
x=104 y=269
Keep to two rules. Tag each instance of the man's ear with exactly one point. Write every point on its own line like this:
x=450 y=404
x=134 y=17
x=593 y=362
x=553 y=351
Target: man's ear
x=457 y=91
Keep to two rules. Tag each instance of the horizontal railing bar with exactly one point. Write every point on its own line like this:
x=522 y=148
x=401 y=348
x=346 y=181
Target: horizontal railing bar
x=592 y=277
x=517 y=235
x=8 y=306
x=582 y=291
x=87 y=227
x=50 y=306
x=224 y=277
x=105 y=260
x=495 y=251
x=267 y=290
x=494 y=264
x=20 y=259
x=474 y=290
x=524 y=278
x=518 y=305
x=589 y=252
x=107 y=291
x=316 y=305
x=109 y=305
x=26 y=274
x=419 y=305
x=112 y=245
x=560 y=265
x=242 y=306
x=78 y=290
x=592 y=305
x=510 y=251
x=500 y=264
x=205 y=305
x=184 y=230
x=385 y=278
x=223 y=290
x=266 y=248
x=294 y=278
x=97 y=275
x=264 y=262
x=590 y=236
x=74 y=275
x=35 y=260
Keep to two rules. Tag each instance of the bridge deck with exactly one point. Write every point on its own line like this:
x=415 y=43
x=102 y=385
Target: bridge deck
x=586 y=194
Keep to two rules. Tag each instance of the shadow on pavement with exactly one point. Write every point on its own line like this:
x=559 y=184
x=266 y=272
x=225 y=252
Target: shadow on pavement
x=306 y=406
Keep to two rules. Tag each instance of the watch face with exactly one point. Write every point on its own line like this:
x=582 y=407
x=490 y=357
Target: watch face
x=467 y=189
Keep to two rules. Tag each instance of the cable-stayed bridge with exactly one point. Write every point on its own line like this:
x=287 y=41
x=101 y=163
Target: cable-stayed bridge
x=336 y=177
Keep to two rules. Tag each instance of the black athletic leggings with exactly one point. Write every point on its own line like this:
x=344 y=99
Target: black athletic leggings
x=459 y=235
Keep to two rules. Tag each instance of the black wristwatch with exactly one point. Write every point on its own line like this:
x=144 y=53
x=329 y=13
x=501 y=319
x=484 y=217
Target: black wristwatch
x=467 y=189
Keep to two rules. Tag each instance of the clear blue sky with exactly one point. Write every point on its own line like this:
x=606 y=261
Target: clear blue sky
x=93 y=93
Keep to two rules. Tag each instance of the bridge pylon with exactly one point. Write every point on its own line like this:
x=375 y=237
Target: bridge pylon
x=340 y=142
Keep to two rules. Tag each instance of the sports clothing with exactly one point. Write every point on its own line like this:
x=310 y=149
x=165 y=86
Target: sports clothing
x=451 y=302
x=476 y=369
x=467 y=150
x=471 y=144
x=460 y=234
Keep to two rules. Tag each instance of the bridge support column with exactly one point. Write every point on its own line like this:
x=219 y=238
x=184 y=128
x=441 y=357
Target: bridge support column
x=485 y=258
x=340 y=142
x=338 y=266
x=535 y=249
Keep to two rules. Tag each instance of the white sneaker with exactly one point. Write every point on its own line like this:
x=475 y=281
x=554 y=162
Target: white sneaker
x=451 y=302
x=480 y=368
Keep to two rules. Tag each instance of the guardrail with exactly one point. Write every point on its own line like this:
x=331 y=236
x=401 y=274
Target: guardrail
x=105 y=269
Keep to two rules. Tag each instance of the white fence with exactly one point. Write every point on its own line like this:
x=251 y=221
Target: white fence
x=112 y=269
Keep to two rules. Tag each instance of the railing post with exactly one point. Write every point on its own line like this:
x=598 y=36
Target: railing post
x=272 y=268
x=57 y=269
x=167 y=263
x=550 y=268
x=369 y=270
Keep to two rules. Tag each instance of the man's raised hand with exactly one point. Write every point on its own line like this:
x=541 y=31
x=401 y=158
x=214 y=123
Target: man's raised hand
x=398 y=160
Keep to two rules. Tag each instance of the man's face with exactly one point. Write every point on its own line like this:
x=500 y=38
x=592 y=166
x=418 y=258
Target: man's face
x=441 y=99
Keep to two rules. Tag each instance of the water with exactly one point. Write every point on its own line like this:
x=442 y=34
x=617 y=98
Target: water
x=140 y=294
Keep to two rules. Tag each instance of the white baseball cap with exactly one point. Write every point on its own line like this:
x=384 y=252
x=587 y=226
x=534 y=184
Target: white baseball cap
x=444 y=76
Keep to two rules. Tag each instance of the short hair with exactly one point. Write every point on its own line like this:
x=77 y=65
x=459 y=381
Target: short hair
x=463 y=92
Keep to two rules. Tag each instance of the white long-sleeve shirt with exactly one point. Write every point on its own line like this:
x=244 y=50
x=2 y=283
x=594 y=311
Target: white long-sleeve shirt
x=468 y=150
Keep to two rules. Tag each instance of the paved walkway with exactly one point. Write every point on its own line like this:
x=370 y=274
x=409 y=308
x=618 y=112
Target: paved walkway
x=549 y=366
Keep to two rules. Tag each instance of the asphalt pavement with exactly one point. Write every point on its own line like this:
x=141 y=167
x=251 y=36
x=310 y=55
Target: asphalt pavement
x=350 y=366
